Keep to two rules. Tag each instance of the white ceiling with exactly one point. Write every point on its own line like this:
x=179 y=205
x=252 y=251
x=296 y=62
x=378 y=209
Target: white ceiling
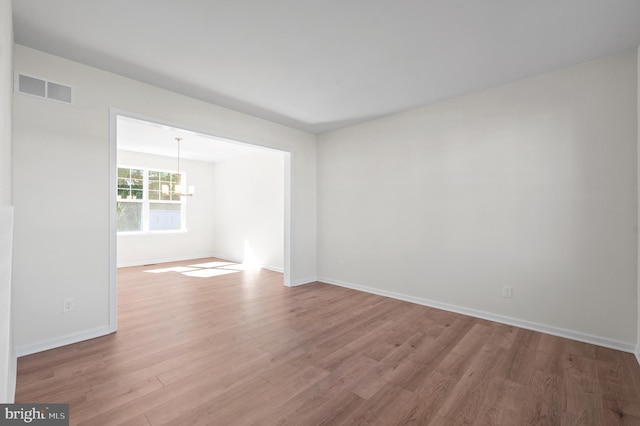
x=320 y=65
x=152 y=138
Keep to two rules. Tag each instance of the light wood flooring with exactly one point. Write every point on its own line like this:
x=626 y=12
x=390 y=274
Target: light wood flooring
x=242 y=349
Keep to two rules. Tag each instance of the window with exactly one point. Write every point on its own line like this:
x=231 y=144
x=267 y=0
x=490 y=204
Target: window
x=147 y=200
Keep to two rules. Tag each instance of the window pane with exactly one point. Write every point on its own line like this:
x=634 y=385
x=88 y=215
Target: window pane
x=129 y=216
x=164 y=211
x=122 y=193
x=165 y=216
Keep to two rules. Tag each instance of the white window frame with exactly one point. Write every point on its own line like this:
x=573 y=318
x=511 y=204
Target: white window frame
x=146 y=202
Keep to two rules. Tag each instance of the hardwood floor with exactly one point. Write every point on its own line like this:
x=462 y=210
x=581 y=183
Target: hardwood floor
x=241 y=349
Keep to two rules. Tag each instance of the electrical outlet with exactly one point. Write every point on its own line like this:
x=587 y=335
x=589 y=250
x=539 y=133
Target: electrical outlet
x=507 y=292
x=67 y=304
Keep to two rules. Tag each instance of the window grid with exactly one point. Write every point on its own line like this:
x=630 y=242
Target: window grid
x=147 y=200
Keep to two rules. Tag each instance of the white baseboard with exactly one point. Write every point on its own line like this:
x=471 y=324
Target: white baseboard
x=193 y=257
x=556 y=331
x=45 y=345
x=637 y=353
x=303 y=281
x=164 y=260
x=234 y=260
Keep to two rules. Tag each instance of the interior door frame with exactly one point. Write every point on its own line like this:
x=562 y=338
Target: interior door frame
x=113 y=164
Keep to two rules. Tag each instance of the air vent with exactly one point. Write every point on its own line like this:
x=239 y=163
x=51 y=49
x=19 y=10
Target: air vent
x=35 y=86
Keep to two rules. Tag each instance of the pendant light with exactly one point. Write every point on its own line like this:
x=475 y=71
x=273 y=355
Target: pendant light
x=179 y=187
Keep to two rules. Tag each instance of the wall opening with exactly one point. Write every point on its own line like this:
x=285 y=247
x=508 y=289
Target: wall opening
x=225 y=173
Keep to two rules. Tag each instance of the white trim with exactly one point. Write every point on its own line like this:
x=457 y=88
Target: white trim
x=13 y=378
x=303 y=281
x=61 y=341
x=166 y=260
x=274 y=269
x=637 y=353
x=288 y=240
x=113 y=164
x=193 y=257
x=113 y=224
x=556 y=331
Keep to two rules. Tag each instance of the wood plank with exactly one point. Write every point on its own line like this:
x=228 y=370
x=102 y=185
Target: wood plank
x=616 y=390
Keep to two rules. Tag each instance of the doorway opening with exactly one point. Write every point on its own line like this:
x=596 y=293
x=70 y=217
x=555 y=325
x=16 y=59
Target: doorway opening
x=239 y=209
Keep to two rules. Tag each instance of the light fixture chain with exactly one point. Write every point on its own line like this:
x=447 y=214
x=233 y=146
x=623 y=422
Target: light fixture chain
x=181 y=193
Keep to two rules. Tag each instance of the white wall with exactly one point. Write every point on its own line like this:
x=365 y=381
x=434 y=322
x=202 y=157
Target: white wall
x=248 y=196
x=196 y=242
x=61 y=175
x=7 y=358
x=6 y=87
x=531 y=185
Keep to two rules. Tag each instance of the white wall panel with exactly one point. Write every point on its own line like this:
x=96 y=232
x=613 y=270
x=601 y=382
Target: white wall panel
x=248 y=217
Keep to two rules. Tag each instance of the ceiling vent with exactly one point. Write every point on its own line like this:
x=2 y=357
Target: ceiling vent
x=34 y=86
